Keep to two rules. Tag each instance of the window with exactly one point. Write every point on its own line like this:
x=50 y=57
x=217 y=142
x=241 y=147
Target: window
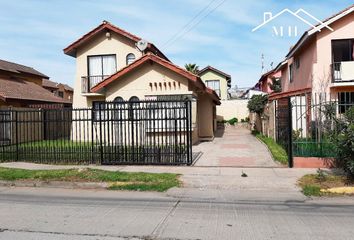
x=61 y=94
x=291 y=72
x=345 y=101
x=297 y=63
x=100 y=67
x=99 y=110
x=343 y=50
x=214 y=84
x=134 y=104
x=130 y=58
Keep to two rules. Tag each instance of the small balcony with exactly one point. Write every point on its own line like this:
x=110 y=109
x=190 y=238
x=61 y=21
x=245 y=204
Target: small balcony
x=88 y=82
x=343 y=73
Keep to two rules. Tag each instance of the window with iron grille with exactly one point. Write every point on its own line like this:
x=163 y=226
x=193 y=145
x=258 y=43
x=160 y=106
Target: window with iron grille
x=345 y=101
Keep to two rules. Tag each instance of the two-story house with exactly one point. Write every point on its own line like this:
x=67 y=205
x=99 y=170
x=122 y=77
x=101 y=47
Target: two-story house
x=321 y=63
x=217 y=80
x=110 y=66
x=21 y=86
x=266 y=80
x=59 y=89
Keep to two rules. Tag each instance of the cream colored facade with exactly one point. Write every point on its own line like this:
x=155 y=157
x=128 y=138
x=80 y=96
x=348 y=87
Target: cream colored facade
x=209 y=75
x=146 y=81
x=100 y=45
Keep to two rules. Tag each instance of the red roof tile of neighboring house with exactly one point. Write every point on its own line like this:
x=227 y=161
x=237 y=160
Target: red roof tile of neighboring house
x=194 y=79
x=49 y=84
x=275 y=96
x=26 y=90
x=18 y=68
x=71 y=49
x=68 y=88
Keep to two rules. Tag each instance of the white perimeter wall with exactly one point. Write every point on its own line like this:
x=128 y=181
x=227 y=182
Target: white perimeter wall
x=232 y=108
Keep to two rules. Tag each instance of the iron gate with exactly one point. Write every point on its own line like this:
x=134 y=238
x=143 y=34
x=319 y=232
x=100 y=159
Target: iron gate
x=144 y=132
x=131 y=133
x=283 y=126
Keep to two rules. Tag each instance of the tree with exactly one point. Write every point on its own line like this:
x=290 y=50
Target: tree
x=275 y=85
x=192 y=67
x=257 y=103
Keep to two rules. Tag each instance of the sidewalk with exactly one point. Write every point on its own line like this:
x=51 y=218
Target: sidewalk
x=214 y=182
x=234 y=146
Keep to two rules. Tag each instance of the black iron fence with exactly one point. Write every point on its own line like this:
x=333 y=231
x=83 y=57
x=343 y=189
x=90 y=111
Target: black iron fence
x=305 y=123
x=144 y=132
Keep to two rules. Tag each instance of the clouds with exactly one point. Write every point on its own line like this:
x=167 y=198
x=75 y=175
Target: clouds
x=35 y=32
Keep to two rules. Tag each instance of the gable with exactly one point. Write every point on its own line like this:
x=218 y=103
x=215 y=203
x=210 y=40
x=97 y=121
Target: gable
x=147 y=79
x=211 y=75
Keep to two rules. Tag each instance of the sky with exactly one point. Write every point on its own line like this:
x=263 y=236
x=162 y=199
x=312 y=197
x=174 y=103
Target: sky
x=205 y=32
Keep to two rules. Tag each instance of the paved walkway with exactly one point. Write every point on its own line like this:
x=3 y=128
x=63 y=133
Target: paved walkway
x=234 y=147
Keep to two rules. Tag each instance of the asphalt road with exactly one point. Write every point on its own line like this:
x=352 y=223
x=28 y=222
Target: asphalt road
x=36 y=214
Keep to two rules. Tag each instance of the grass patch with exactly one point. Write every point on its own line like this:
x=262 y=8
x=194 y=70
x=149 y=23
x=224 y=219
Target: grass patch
x=312 y=184
x=118 y=180
x=278 y=152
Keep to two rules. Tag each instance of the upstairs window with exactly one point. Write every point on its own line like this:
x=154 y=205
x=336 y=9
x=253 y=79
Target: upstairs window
x=100 y=67
x=130 y=58
x=297 y=63
x=214 y=84
x=291 y=72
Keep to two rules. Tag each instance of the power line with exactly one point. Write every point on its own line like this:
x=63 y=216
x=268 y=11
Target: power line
x=188 y=23
x=197 y=23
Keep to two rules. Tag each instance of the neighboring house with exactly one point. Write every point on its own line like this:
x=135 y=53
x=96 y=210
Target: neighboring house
x=21 y=86
x=58 y=89
x=321 y=64
x=266 y=81
x=217 y=80
x=251 y=92
x=110 y=67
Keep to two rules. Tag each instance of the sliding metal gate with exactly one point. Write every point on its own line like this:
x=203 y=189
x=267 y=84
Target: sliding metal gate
x=144 y=132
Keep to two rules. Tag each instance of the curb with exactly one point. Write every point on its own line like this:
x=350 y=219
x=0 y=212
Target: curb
x=55 y=184
x=279 y=165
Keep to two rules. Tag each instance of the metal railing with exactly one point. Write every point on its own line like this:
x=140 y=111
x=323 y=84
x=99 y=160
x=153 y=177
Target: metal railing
x=88 y=82
x=130 y=133
x=337 y=73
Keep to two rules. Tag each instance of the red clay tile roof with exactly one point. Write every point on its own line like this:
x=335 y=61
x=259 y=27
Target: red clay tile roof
x=49 y=84
x=68 y=88
x=71 y=49
x=18 y=68
x=194 y=79
x=25 y=90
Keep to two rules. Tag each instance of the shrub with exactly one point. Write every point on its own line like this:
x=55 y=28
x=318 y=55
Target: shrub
x=233 y=121
x=311 y=190
x=247 y=119
x=341 y=134
x=257 y=103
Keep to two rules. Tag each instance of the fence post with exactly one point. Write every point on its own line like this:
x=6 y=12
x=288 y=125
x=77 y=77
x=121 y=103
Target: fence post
x=290 y=134
x=189 y=131
x=100 y=116
x=16 y=137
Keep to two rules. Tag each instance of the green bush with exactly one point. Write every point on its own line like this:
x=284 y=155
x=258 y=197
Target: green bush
x=233 y=121
x=342 y=136
x=257 y=103
x=310 y=190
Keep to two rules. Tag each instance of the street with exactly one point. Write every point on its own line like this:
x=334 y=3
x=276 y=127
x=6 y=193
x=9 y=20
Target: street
x=36 y=213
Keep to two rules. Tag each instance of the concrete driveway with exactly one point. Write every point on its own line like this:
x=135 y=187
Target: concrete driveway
x=234 y=146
